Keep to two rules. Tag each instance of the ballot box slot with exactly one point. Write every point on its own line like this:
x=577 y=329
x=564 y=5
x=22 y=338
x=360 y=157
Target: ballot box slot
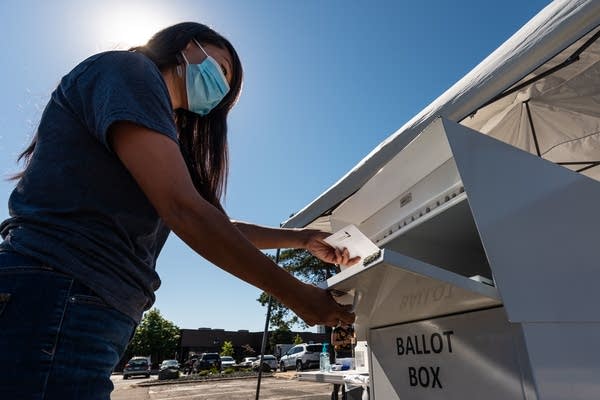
x=449 y=240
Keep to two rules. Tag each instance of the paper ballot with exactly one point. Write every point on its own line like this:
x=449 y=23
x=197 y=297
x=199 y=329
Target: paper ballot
x=355 y=241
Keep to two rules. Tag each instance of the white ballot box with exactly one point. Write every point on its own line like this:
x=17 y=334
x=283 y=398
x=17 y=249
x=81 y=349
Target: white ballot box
x=485 y=286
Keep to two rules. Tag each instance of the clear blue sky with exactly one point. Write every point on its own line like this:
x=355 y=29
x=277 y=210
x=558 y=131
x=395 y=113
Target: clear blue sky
x=325 y=82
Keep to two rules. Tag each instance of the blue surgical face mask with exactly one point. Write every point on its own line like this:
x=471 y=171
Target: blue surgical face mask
x=205 y=83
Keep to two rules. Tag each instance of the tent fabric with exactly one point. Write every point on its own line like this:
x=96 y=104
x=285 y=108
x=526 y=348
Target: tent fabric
x=553 y=30
x=561 y=112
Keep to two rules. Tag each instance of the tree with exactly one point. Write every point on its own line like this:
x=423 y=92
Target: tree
x=279 y=336
x=298 y=339
x=156 y=337
x=227 y=348
x=306 y=267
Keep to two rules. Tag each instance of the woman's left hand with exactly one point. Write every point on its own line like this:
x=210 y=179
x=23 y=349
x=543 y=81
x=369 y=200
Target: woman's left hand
x=325 y=252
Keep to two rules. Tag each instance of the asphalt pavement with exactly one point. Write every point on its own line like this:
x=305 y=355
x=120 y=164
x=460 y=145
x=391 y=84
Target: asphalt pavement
x=280 y=386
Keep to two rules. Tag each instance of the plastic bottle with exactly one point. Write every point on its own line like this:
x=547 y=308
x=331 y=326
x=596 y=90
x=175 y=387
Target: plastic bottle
x=361 y=356
x=324 y=364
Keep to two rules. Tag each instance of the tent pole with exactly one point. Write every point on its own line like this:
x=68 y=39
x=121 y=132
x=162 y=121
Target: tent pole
x=592 y=165
x=537 y=146
x=265 y=335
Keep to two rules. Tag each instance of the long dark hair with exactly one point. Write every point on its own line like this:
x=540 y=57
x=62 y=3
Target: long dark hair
x=202 y=139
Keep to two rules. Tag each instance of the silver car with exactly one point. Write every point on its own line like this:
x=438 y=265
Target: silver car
x=137 y=366
x=227 y=362
x=301 y=357
x=269 y=363
x=247 y=362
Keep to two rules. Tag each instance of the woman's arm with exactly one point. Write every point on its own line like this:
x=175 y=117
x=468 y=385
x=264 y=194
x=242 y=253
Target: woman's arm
x=264 y=237
x=156 y=164
x=279 y=238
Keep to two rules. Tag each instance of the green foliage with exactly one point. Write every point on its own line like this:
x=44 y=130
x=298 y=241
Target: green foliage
x=155 y=336
x=228 y=370
x=280 y=335
x=227 y=348
x=298 y=339
x=304 y=266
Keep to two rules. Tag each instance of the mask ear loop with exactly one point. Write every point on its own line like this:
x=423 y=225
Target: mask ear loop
x=201 y=48
x=179 y=67
x=184 y=57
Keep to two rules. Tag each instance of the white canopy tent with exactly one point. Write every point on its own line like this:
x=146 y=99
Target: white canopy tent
x=472 y=229
x=539 y=91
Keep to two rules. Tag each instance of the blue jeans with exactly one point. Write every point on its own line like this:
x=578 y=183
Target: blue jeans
x=57 y=339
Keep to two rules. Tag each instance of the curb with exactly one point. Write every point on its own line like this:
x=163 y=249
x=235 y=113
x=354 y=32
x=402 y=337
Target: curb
x=183 y=381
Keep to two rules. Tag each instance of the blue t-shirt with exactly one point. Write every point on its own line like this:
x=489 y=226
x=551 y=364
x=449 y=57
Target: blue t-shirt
x=77 y=208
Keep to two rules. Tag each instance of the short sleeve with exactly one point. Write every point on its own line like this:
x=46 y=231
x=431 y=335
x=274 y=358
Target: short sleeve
x=119 y=86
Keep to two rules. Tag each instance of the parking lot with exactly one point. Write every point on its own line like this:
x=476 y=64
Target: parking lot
x=282 y=386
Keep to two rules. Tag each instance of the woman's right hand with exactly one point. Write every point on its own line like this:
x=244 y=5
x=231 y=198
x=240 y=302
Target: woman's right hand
x=316 y=306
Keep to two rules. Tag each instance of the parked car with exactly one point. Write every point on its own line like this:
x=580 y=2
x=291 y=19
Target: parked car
x=227 y=362
x=169 y=369
x=207 y=361
x=246 y=362
x=137 y=366
x=301 y=357
x=269 y=363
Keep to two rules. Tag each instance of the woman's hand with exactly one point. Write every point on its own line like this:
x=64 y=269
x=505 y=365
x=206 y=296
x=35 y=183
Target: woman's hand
x=316 y=306
x=316 y=244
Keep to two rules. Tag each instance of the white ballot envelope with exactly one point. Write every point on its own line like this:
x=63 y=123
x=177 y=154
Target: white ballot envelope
x=355 y=241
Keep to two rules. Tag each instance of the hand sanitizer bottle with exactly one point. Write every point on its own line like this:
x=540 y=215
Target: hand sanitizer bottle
x=324 y=365
x=361 y=356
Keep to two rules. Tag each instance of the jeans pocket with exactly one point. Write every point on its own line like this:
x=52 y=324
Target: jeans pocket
x=25 y=269
x=86 y=299
x=4 y=299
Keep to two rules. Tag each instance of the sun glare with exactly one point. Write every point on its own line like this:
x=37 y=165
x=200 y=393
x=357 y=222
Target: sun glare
x=124 y=27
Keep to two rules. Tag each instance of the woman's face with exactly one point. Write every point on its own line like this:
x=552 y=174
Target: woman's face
x=195 y=55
